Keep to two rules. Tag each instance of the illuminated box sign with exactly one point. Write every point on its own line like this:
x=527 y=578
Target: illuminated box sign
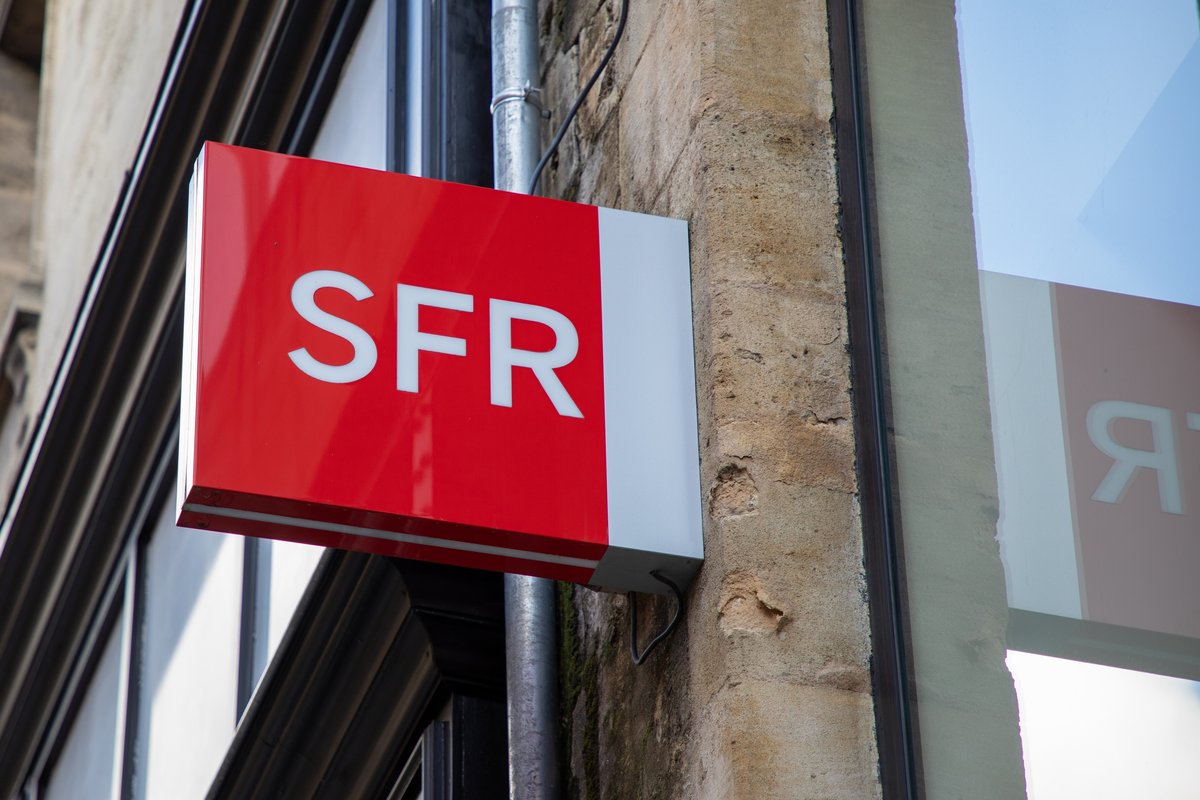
x=436 y=371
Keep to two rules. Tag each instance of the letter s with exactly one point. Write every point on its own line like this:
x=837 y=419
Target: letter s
x=365 y=355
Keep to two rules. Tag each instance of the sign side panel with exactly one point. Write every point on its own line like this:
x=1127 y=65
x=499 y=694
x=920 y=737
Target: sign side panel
x=191 y=299
x=653 y=456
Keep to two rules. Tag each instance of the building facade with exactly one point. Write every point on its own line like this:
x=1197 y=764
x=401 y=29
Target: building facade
x=942 y=297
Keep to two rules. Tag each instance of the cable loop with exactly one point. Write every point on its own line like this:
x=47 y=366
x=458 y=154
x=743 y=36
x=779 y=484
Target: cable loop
x=665 y=632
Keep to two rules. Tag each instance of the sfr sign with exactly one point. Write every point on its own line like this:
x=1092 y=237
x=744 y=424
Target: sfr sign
x=437 y=371
x=411 y=340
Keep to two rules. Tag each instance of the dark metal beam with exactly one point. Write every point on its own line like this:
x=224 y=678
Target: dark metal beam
x=373 y=652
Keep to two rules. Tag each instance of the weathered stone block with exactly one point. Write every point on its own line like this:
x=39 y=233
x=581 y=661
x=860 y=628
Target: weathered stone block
x=718 y=113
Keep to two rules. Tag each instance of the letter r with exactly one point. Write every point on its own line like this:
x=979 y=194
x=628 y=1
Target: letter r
x=504 y=357
x=1127 y=460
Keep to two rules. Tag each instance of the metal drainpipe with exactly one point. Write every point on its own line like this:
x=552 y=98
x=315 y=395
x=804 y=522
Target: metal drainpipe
x=529 y=618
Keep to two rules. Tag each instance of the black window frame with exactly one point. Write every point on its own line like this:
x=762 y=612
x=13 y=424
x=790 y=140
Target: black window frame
x=896 y=721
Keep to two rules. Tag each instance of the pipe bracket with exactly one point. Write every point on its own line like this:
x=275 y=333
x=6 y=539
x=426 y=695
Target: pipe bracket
x=525 y=94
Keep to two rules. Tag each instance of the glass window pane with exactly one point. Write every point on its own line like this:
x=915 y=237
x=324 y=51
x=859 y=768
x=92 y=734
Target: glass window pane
x=1100 y=732
x=188 y=659
x=86 y=766
x=289 y=569
x=1035 y=176
x=354 y=130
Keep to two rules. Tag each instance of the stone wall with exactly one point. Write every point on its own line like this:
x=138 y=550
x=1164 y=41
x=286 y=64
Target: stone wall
x=101 y=71
x=20 y=284
x=18 y=120
x=719 y=113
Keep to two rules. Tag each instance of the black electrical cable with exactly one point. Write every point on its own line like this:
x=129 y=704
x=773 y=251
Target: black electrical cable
x=638 y=658
x=562 y=129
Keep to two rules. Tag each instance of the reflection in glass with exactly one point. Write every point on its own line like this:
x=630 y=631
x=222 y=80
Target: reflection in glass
x=1081 y=131
x=1035 y=186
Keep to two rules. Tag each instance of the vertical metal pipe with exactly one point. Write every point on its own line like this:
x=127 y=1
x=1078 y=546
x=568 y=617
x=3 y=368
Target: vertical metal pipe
x=532 y=688
x=514 y=73
x=530 y=624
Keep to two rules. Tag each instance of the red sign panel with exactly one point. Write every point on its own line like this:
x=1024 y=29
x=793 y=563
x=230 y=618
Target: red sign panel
x=430 y=370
